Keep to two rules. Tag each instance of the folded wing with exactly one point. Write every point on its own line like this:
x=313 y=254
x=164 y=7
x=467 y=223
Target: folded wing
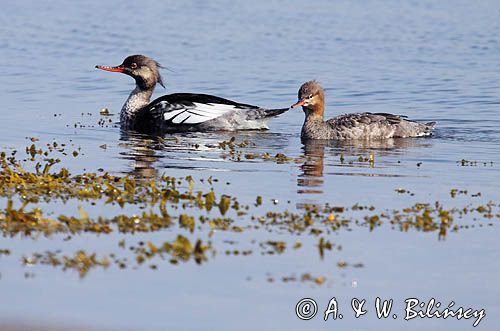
x=191 y=109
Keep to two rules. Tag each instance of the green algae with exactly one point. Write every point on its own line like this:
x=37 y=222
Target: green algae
x=186 y=207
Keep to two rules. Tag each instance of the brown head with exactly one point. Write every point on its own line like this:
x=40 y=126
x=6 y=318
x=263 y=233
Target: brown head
x=311 y=98
x=143 y=69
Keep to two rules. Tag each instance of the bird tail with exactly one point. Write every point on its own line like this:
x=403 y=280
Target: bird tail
x=265 y=113
x=426 y=129
x=275 y=112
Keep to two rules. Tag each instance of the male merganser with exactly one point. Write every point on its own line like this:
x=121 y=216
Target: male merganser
x=181 y=111
x=352 y=126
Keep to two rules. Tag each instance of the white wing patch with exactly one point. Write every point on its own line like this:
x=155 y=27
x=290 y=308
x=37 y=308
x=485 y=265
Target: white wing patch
x=198 y=113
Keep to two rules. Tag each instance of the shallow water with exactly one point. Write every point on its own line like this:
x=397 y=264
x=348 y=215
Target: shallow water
x=431 y=61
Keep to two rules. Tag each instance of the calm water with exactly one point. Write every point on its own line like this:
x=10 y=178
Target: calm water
x=433 y=61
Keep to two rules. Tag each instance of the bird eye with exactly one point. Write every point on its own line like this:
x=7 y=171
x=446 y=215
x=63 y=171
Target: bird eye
x=133 y=65
x=310 y=96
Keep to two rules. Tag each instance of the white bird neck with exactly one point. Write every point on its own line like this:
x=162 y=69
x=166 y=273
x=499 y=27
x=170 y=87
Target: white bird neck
x=137 y=100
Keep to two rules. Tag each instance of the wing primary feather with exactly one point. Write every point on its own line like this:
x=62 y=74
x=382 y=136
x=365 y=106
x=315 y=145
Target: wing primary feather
x=194 y=113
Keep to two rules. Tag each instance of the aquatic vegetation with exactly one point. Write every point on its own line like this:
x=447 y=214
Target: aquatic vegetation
x=238 y=152
x=81 y=261
x=181 y=249
x=202 y=221
x=469 y=163
x=242 y=151
x=304 y=278
x=401 y=190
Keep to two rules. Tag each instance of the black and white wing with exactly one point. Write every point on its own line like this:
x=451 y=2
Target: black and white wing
x=192 y=109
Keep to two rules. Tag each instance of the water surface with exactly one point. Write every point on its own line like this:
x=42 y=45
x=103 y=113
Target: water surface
x=431 y=61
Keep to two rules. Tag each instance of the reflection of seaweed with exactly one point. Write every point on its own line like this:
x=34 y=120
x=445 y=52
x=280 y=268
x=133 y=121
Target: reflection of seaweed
x=183 y=205
x=313 y=220
x=181 y=249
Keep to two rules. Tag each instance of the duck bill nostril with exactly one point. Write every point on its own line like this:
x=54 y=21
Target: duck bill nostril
x=112 y=69
x=298 y=103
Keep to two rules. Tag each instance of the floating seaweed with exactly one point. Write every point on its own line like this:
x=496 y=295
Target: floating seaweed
x=186 y=207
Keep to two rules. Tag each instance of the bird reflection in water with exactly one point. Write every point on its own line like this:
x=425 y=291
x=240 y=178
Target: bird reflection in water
x=142 y=150
x=311 y=177
x=310 y=180
x=187 y=151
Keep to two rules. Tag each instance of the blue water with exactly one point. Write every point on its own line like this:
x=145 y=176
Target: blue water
x=429 y=60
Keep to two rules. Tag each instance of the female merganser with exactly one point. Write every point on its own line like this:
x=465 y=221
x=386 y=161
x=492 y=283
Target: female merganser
x=352 y=126
x=181 y=111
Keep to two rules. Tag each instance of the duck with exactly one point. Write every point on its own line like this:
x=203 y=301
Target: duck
x=365 y=126
x=181 y=111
